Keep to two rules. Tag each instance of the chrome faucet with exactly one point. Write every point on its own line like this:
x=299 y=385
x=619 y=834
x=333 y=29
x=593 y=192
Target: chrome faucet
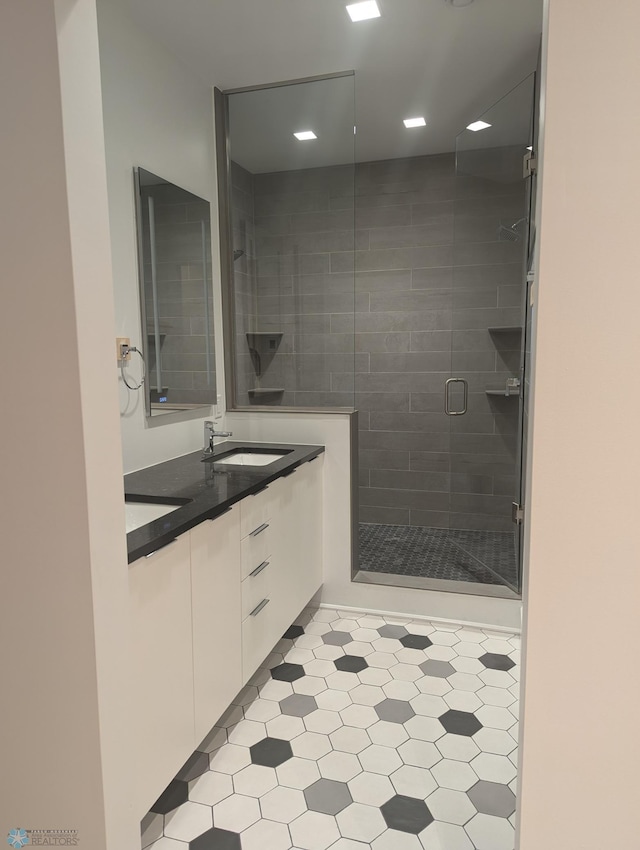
x=209 y=434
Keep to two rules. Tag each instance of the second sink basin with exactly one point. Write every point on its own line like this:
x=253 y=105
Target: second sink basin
x=141 y=511
x=244 y=458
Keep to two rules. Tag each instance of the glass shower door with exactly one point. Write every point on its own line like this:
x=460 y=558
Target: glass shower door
x=485 y=394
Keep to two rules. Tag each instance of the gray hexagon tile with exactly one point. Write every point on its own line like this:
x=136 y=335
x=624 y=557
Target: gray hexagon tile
x=441 y=669
x=336 y=638
x=271 y=752
x=406 y=814
x=416 y=641
x=391 y=631
x=492 y=798
x=394 y=710
x=328 y=796
x=286 y=672
x=460 y=722
x=357 y=731
x=298 y=705
x=216 y=839
x=351 y=663
x=176 y=793
x=496 y=661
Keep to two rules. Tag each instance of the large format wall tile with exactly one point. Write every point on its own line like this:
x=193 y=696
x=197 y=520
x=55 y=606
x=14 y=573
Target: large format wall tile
x=407 y=255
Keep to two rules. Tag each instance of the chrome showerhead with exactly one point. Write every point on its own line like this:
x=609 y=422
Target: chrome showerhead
x=510 y=234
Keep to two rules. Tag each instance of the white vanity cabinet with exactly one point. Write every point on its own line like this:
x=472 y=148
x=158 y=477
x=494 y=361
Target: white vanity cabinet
x=208 y=608
x=259 y=577
x=286 y=571
x=162 y=703
x=215 y=587
x=299 y=535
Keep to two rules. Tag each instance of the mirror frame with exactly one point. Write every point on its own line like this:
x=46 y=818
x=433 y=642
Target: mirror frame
x=197 y=412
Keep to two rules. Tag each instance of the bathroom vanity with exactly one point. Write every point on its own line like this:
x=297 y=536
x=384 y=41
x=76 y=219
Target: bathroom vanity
x=214 y=585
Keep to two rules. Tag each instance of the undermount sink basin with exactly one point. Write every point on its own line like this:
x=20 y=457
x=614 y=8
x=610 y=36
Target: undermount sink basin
x=142 y=513
x=241 y=458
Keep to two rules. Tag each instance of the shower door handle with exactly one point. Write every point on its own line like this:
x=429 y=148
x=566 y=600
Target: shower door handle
x=465 y=387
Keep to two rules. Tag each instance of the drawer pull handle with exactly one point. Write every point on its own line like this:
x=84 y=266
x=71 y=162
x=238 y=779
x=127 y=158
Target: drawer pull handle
x=222 y=513
x=160 y=548
x=259 y=529
x=259 y=569
x=259 y=607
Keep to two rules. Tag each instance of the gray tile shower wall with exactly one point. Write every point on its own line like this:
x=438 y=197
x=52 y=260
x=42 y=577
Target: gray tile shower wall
x=406 y=253
x=301 y=227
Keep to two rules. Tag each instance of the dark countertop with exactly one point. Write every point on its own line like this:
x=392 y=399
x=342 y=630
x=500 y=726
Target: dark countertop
x=204 y=489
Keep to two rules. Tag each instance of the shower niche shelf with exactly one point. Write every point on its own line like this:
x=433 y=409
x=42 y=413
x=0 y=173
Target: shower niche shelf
x=265 y=395
x=262 y=348
x=502 y=394
x=506 y=329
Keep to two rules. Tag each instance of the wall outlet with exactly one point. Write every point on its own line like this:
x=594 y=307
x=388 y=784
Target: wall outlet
x=120 y=342
x=217 y=408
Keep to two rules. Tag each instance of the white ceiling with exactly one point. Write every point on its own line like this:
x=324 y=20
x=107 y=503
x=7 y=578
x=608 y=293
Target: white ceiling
x=421 y=57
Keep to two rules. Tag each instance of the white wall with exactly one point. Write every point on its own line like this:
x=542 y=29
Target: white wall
x=159 y=116
x=64 y=660
x=333 y=432
x=580 y=752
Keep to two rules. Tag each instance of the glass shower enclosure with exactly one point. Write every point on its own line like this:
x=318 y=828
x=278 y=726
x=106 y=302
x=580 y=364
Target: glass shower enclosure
x=288 y=244
x=441 y=447
x=394 y=288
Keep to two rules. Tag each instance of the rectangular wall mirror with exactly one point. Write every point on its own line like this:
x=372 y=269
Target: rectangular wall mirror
x=176 y=298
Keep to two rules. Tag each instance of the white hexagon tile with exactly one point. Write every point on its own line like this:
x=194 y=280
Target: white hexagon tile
x=358 y=732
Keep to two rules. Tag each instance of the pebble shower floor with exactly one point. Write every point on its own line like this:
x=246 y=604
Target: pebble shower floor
x=358 y=732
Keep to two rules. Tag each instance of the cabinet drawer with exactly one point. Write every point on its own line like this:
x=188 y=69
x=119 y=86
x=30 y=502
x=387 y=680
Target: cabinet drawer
x=256 y=548
x=259 y=636
x=255 y=510
x=256 y=588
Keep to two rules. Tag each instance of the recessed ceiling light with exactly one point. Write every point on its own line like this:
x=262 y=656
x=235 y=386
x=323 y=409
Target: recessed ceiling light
x=414 y=122
x=305 y=135
x=478 y=125
x=529 y=147
x=363 y=11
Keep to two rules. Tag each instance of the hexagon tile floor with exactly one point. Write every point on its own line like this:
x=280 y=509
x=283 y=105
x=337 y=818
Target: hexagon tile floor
x=358 y=732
